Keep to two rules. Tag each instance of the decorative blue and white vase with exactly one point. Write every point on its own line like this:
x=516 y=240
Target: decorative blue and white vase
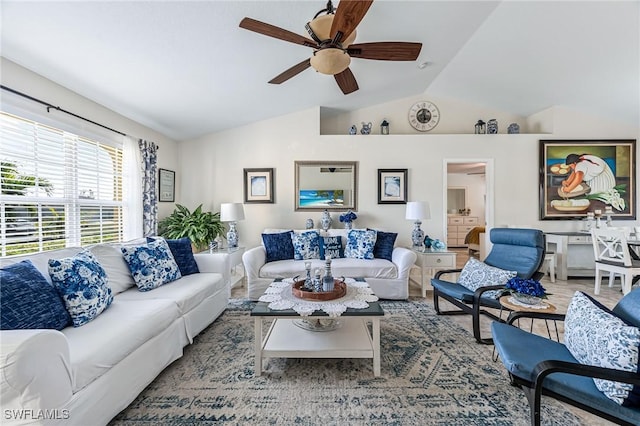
x=348 y=225
x=232 y=235
x=513 y=129
x=325 y=220
x=492 y=126
x=366 y=128
x=309 y=224
x=213 y=245
x=417 y=236
x=353 y=130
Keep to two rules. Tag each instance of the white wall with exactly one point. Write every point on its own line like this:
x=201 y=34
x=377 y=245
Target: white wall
x=212 y=168
x=19 y=78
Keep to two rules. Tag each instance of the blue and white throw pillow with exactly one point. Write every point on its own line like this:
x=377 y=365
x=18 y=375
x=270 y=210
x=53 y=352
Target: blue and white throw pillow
x=83 y=285
x=182 y=253
x=476 y=274
x=151 y=264
x=596 y=336
x=28 y=301
x=360 y=244
x=332 y=247
x=306 y=245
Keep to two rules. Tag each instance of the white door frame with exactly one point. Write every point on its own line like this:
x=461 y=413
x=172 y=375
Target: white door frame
x=490 y=189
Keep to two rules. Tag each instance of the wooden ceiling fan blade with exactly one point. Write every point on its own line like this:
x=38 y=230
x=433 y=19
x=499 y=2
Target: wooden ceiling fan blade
x=346 y=81
x=348 y=16
x=291 y=72
x=386 y=51
x=276 y=32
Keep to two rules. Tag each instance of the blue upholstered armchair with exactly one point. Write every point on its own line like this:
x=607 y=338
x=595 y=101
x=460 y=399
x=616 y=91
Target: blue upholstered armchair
x=518 y=250
x=598 y=344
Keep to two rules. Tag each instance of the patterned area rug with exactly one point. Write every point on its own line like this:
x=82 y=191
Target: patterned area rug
x=433 y=373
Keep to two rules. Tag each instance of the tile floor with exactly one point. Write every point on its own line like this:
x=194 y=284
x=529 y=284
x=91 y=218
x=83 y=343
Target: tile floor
x=561 y=293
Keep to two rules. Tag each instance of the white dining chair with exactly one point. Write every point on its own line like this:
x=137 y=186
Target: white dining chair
x=611 y=252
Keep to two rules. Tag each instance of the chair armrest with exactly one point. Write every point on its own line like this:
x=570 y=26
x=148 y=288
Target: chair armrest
x=404 y=259
x=254 y=259
x=545 y=368
x=446 y=271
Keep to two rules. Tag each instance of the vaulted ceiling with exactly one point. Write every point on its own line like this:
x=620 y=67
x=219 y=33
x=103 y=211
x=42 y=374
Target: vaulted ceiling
x=185 y=68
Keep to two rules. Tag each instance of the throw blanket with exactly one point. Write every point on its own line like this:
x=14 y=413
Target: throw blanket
x=473 y=237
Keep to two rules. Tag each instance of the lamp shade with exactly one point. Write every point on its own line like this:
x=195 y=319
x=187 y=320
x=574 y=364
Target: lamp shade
x=231 y=212
x=418 y=210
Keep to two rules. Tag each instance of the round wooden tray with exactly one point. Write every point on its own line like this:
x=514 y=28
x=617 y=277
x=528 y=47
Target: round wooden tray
x=339 y=290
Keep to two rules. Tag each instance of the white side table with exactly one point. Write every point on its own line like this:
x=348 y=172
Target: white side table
x=432 y=261
x=235 y=262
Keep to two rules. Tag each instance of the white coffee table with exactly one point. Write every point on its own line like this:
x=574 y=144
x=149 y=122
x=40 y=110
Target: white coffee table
x=284 y=339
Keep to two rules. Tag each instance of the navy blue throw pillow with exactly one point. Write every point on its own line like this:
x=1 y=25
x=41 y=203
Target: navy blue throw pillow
x=384 y=245
x=331 y=246
x=278 y=246
x=183 y=254
x=28 y=301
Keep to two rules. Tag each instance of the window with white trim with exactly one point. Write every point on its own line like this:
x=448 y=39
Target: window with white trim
x=57 y=189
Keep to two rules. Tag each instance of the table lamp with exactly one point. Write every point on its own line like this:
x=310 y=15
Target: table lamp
x=417 y=210
x=231 y=212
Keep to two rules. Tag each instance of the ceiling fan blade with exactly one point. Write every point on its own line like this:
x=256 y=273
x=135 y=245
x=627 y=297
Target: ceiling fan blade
x=276 y=32
x=347 y=17
x=346 y=81
x=291 y=72
x=386 y=51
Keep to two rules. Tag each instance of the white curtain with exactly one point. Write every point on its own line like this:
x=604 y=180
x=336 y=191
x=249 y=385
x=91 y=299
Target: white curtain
x=132 y=189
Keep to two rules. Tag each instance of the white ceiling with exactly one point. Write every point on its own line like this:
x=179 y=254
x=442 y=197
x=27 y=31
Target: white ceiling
x=185 y=68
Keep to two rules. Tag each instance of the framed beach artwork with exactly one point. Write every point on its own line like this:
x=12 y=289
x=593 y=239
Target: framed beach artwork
x=583 y=177
x=330 y=185
x=392 y=186
x=258 y=186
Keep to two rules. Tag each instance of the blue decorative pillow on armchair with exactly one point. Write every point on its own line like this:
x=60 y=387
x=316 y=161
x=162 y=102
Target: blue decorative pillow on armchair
x=278 y=246
x=28 y=301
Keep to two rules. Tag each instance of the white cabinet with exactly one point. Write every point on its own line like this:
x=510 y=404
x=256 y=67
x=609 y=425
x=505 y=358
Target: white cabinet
x=574 y=254
x=457 y=229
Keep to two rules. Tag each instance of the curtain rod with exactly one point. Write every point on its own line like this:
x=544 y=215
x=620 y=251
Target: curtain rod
x=50 y=106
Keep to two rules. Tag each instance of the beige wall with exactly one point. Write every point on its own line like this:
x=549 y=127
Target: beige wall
x=212 y=166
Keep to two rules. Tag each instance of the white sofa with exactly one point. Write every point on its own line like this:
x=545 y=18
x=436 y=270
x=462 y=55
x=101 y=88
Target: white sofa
x=87 y=375
x=387 y=279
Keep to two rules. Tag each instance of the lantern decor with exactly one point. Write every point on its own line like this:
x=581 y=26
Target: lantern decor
x=481 y=127
x=384 y=127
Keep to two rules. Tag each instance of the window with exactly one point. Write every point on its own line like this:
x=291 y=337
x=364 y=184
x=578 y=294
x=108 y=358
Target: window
x=57 y=189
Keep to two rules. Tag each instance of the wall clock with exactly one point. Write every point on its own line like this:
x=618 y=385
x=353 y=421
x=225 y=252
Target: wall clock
x=424 y=116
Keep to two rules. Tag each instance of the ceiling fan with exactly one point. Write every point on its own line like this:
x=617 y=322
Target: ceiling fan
x=332 y=35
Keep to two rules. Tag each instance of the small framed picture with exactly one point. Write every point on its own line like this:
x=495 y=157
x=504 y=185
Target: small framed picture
x=167 y=185
x=258 y=185
x=392 y=186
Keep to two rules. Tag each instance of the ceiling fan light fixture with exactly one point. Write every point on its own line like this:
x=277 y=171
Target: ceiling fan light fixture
x=330 y=61
x=321 y=27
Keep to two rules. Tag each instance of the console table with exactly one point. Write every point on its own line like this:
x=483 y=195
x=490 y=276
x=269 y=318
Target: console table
x=574 y=254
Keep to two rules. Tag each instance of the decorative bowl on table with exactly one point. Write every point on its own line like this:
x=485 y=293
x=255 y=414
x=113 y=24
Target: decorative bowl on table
x=527 y=299
x=339 y=290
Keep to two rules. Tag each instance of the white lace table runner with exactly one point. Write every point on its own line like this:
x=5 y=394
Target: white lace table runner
x=516 y=302
x=280 y=298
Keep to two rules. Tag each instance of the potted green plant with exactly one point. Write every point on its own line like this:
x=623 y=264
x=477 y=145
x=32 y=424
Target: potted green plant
x=201 y=227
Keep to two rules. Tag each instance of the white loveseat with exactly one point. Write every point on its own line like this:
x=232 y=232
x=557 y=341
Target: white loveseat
x=87 y=375
x=387 y=279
